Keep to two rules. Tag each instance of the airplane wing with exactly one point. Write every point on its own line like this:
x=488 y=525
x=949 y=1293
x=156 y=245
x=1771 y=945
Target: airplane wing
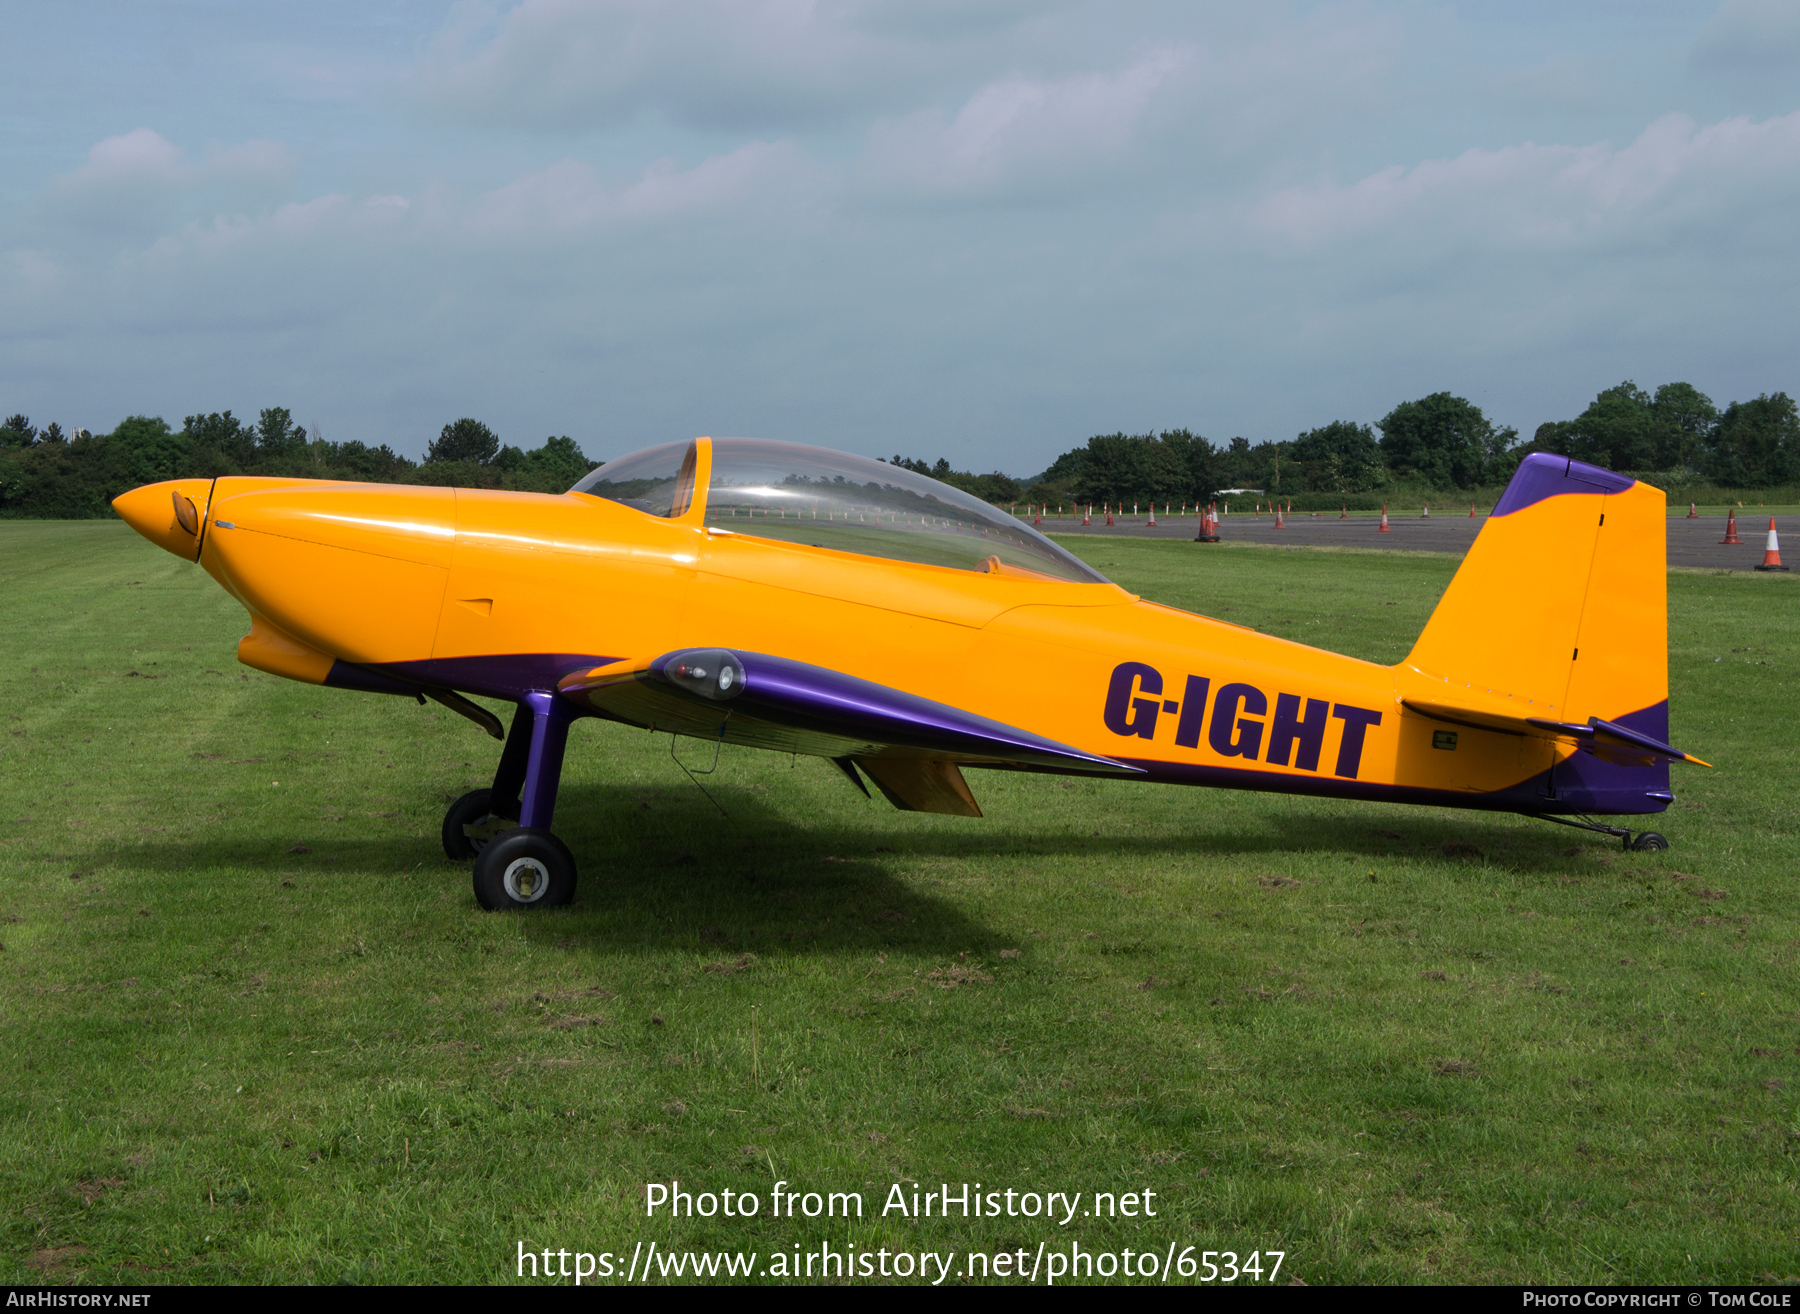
x=911 y=747
x=1607 y=740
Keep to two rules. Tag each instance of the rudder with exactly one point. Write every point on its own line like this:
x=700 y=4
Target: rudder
x=1560 y=611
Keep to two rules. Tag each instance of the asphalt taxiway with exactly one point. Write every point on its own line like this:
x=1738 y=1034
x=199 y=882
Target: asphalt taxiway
x=1692 y=543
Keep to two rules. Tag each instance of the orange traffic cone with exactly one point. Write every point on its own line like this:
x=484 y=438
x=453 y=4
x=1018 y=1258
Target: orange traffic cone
x=1471 y=510
x=1088 y=519
x=1692 y=513
x=1151 y=523
x=1425 y=514
x=1345 y=513
x=1730 y=529
x=1384 y=524
x=1209 y=527
x=1772 y=554
x=1279 y=522
x=1108 y=507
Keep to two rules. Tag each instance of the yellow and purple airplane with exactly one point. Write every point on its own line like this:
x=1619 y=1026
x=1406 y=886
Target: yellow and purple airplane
x=769 y=594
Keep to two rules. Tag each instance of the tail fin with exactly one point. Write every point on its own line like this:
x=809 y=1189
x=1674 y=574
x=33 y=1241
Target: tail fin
x=1561 y=609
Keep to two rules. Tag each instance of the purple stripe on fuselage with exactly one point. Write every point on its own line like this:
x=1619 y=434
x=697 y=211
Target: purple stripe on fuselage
x=343 y=675
x=1542 y=475
x=815 y=698
x=509 y=675
x=1527 y=796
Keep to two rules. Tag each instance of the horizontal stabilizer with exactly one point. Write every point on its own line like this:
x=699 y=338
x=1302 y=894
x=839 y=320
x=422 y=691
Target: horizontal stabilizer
x=1606 y=740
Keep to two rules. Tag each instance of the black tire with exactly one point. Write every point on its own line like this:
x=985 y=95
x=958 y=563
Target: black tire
x=471 y=810
x=1649 y=842
x=525 y=868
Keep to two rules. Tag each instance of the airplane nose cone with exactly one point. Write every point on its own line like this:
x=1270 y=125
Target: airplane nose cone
x=171 y=514
x=354 y=570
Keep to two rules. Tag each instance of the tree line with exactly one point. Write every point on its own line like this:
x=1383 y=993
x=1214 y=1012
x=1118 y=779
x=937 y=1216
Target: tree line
x=1440 y=443
x=48 y=474
x=1437 y=444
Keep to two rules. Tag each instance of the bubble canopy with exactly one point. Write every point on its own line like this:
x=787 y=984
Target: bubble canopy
x=821 y=498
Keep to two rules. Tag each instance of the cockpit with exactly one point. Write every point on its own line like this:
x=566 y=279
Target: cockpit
x=821 y=498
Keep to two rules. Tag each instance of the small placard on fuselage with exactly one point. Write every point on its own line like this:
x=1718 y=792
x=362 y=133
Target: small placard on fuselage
x=1444 y=739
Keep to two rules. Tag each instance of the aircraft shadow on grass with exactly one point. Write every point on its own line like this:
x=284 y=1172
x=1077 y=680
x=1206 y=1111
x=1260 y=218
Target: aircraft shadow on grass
x=752 y=880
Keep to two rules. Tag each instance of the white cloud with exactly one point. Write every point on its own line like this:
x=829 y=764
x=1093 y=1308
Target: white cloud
x=144 y=158
x=1750 y=34
x=141 y=153
x=1022 y=135
x=138 y=184
x=573 y=64
x=570 y=194
x=1551 y=196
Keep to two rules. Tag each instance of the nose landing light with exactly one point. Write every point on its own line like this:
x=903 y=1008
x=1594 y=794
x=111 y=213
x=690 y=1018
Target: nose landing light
x=710 y=672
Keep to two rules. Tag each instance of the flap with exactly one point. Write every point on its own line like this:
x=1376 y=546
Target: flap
x=922 y=784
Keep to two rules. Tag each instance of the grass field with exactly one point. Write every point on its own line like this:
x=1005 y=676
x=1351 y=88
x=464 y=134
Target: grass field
x=255 y=1028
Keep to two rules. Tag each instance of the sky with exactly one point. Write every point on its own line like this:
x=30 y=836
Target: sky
x=974 y=229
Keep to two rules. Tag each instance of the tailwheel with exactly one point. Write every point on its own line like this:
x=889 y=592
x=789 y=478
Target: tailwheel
x=1648 y=841
x=471 y=823
x=522 y=868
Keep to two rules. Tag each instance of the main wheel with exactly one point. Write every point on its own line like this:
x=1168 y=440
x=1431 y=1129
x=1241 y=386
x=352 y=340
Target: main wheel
x=524 y=868
x=469 y=825
x=1649 y=842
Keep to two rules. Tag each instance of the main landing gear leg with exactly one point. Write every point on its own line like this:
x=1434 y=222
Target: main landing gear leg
x=1642 y=841
x=526 y=866
x=483 y=815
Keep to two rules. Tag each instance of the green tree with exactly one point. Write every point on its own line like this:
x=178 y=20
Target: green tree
x=1139 y=468
x=17 y=431
x=1066 y=470
x=1241 y=469
x=1684 y=420
x=1617 y=430
x=465 y=440
x=151 y=450
x=277 y=436
x=66 y=481
x=1339 y=457
x=552 y=468
x=1442 y=440
x=360 y=463
x=1200 y=470
x=995 y=487
x=220 y=443
x=1756 y=443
